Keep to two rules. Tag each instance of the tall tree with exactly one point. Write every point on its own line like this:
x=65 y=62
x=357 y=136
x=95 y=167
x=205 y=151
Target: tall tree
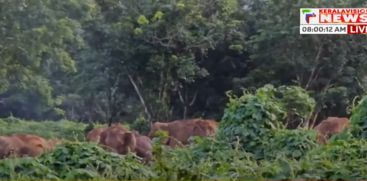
x=157 y=47
x=35 y=40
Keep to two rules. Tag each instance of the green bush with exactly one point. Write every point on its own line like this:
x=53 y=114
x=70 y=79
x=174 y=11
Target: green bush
x=359 y=119
x=281 y=168
x=250 y=118
x=73 y=161
x=340 y=159
x=296 y=102
x=85 y=160
x=141 y=124
x=25 y=169
x=290 y=143
x=208 y=159
x=247 y=122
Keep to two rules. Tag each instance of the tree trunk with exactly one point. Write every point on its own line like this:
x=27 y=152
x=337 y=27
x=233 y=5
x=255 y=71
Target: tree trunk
x=141 y=98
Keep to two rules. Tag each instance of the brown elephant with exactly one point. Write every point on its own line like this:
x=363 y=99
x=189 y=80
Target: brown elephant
x=23 y=145
x=205 y=127
x=144 y=148
x=180 y=131
x=36 y=141
x=329 y=127
x=10 y=146
x=95 y=134
x=118 y=139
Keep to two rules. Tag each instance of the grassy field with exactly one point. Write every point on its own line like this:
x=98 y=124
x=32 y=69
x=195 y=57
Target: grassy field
x=65 y=129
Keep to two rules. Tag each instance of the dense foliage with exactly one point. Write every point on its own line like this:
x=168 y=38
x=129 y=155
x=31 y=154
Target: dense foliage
x=290 y=143
x=359 y=119
x=37 y=41
x=268 y=152
x=207 y=159
x=249 y=120
x=139 y=61
x=100 y=60
x=75 y=161
x=338 y=160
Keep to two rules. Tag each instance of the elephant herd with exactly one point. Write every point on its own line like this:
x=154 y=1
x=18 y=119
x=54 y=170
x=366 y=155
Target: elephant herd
x=119 y=139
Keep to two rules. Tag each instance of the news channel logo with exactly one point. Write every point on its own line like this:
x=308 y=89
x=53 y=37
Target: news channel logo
x=309 y=16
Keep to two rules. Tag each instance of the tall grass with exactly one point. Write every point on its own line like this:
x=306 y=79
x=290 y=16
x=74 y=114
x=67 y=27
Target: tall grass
x=65 y=129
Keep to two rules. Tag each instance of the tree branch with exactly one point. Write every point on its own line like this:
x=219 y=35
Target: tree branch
x=317 y=59
x=180 y=96
x=194 y=98
x=140 y=98
x=356 y=78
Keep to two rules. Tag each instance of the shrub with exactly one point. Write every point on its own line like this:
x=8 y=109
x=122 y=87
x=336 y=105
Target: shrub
x=25 y=168
x=76 y=160
x=208 y=159
x=85 y=160
x=141 y=124
x=359 y=119
x=296 y=102
x=290 y=143
x=248 y=119
x=281 y=168
x=338 y=160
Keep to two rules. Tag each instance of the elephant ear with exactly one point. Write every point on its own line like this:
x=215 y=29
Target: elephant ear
x=103 y=136
x=199 y=130
x=204 y=128
x=129 y=142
